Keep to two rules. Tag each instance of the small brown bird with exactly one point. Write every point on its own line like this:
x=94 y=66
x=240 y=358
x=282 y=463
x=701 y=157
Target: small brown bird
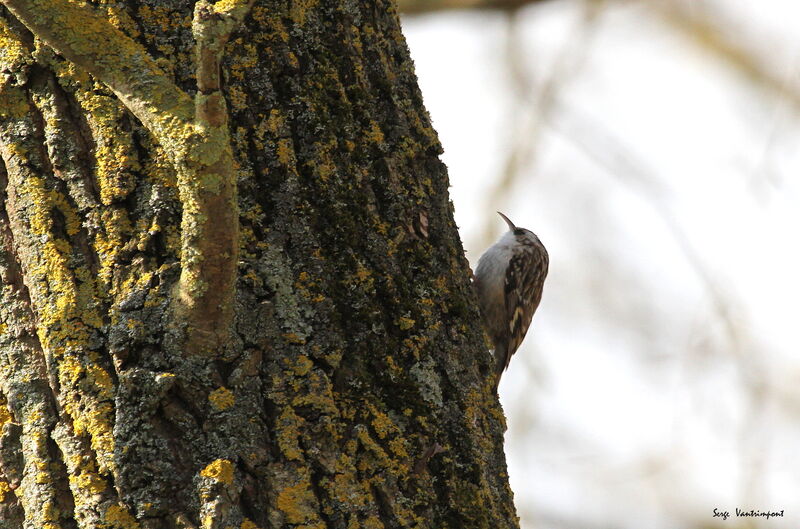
x=509 y=280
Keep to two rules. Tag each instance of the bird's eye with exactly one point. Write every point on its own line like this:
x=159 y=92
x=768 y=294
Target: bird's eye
x=519 y=231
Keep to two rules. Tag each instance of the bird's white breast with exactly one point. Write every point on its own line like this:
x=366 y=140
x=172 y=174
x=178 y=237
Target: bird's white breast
x=490 y=277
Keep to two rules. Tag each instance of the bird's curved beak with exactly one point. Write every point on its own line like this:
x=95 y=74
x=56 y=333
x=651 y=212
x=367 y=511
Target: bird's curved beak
x=508 y=221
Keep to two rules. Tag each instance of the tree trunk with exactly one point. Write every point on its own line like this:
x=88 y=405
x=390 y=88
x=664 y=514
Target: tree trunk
x=338 y=379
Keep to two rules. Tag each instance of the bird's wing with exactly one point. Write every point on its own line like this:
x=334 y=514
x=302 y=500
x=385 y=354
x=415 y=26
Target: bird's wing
x=524 y=278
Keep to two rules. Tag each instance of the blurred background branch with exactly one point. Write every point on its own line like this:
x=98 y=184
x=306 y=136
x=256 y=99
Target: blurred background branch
x=534 y=102
x=412 y=7
x=715 y=31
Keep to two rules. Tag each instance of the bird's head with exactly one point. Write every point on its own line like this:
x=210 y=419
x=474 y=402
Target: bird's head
x=518 y=232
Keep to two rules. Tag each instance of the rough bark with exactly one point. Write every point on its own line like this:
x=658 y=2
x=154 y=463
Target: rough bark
x=352 y=389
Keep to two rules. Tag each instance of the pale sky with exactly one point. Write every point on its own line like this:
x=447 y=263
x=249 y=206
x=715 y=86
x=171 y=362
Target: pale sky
x=660 y=378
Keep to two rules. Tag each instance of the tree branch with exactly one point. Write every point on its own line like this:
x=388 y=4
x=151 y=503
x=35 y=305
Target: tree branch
x=82 y=36
x=212 y=26
x=196 y=133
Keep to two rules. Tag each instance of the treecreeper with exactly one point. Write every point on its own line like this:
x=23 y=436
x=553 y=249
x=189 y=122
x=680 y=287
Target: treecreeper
x=508 y=280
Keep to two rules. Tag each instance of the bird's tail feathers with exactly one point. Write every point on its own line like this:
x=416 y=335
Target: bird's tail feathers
x=500 y=362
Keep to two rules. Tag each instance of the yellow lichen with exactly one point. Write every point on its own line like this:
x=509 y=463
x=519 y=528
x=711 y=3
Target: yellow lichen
x=297 y=503
x=5 y=413
x=50 y=512
x=237 y=98
x=288 y=433
x=13 y=53
x=299 y=10
x=225 y=6
x=373 y=522
x=221 y=398
x=363 y=274
x=118 y=517
x=114 y=149
x=293 y=338
x=382 y=424
x=66 y=297
x=321 y=398
x=5 y=488
x=375 y=135
x=303 y=365
x=220 y=470
x=101 y=381
x=394 y=369
x=88 y=482
x=160 y=16
x=14 y=105
x=285 y=152
x=110 y=240
x=244 y=60
x=95 y=420
x=398 y=447
x=405 y=323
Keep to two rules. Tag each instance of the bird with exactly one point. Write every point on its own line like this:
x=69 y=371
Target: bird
x=508 y=281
